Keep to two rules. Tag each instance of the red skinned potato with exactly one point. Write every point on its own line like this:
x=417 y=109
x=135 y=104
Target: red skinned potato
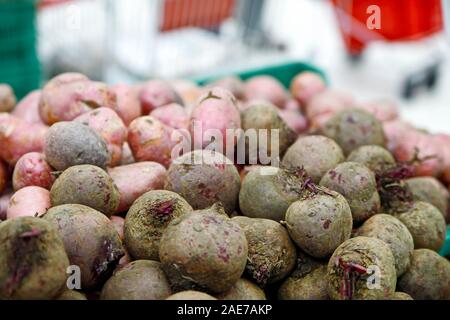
x=215 y=112
x=266 y=88
x=28 y=108
x=110 y=127
x=128 y=106
x=306 y=85
x=7 y=98
x=29 y=201
x=127 y=155
x=426 y=148
x=383 y=110
x=18 y=137
x=396 y=132
x=295 y=120
x=151 y=175
x=69 y=95
x=3 y=176
x=172 y=115
x=32 y=170
x=232 y=84
x=151 y=140
x=157 y=93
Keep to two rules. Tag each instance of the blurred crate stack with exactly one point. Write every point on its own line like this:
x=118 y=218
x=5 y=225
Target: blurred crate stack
x=19 y=63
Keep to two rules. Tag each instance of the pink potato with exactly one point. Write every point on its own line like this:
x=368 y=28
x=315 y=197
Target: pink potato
x=118 y=223
x=69 y=95
x=3 y=176
x=110 y=127
x=215 y=112
x=328 y=101
x=127 y=155
x=18 y=137
x=295 y=120
x=4 y=202
x=32 y=170
x=28 y=108
x=135 y=179
x=383 y=110
x=306 y=85
x=428 y=150
x=173 y=115
x=29 y=201
x=157 y=93
x=293 y=105
x=128 y=106
x=266 y=88
x=152 y=140
x=396 y=132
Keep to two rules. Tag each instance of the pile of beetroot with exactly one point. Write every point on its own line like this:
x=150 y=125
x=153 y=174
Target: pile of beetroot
x=94 y=205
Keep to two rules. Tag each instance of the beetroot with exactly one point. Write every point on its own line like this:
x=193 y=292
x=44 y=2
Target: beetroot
x=243 y=290
x=203 y=249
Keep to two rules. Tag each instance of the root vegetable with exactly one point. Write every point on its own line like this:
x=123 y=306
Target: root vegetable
x=128 y=106
x=172 y=115
x=243 y=290
x=232 y=84
x=262 y=118
x=203 y=250
x=32 y=170
x=306 y=85
x=147 y=219
x=396 y=235
x=71 y=295
x=33 y=262
x=29 y=201
x=271 y=253
x=429 y=189
x=4 y=202
x=428 y=276
x=319 y=223
x=354 y=128
x=28 y=108
x=426 y=224
x=351 y=265
x=375 y=158
x=358 y=186
x=138 y=280
x=266 y=88
x=295 y=120
x=72 y=143
x=110 y=127
x=156 y=93
x=383 y=110
x=7 y=98
x=118 y=223
x=204 y=177
x=151 y=140
x=90 y=240
x=191 y=295
x=3 y=176
x=151 y=175
x=127 y=155
x=316 y=154
x=87 y=185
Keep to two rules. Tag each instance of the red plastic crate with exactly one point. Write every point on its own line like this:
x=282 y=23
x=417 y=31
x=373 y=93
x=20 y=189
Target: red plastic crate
x=401 y=20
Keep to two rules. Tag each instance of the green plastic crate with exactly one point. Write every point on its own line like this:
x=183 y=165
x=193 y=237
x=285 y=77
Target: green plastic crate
x=284 y=72
x=19 y=63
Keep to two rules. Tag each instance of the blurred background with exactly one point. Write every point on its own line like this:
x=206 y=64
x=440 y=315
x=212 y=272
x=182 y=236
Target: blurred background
x=406 y=60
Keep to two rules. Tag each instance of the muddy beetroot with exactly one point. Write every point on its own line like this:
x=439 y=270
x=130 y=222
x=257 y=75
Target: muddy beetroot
x=204 y=249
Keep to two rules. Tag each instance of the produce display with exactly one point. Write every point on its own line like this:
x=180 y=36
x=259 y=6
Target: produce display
x=235 y=190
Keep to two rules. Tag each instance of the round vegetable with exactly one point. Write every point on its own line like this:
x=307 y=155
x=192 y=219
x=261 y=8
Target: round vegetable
x=88 y=185
x=243 y=290
x=359 y=187
x=375 y=158
x=138 y=280
x=156 y=93
x=71 y=295
x=392 y=231
x=7 y=98
x=147 y=219
x=354 y=128
x=316 y=154
x=32 y=170
x=203 y=249
x=266 y=88
x=429 y=189
x=128 y=106
x=28 y=108
x=361 y=268
x=306 y=85
x=401 y=296
x=319 y=223
x=172 y=115
x=267 y=192
x=191 y=295
x=428 y=276
x=271 y=253
x=204 y=177
x=426 y=225
x=33 y=262
x=90 y=240
x=72 y=143
x=29 y=201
